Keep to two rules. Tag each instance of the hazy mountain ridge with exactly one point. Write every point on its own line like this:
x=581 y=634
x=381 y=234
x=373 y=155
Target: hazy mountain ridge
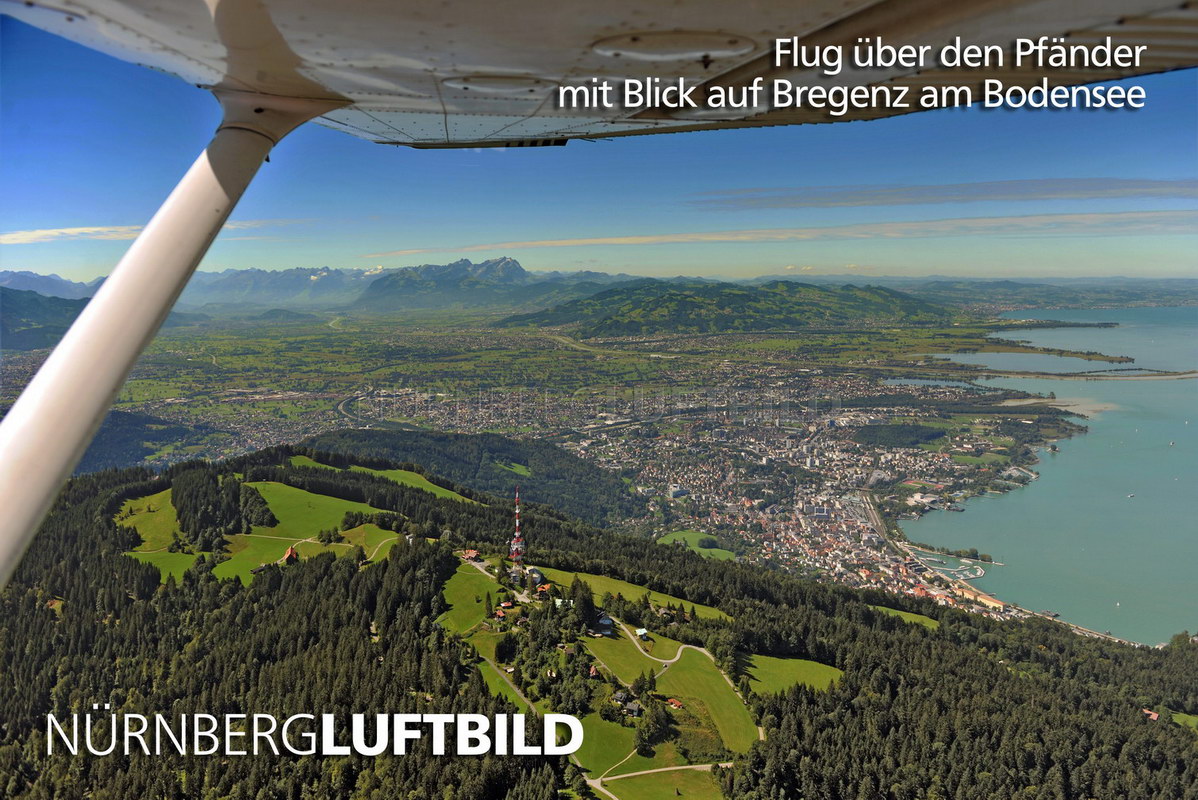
x=30 y=321
x=656 y=307
x=503 y=285
x=499 y=283
x=51 y=285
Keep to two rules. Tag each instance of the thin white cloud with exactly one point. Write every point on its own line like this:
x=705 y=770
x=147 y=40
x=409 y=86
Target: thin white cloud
x=1127 y=223
x=117 y=232
x=929 y=194
x=41 y=235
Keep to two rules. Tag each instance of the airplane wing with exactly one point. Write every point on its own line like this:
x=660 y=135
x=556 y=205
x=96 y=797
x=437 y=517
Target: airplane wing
x=437 y=73
x=453 y=73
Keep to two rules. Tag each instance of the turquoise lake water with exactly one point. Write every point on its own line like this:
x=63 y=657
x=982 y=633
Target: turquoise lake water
x=1073 y=542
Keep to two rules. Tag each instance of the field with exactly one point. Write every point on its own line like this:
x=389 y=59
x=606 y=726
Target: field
x=665 y=754
x=301 y=516
x=401 y=476
x=769 y=675
x=519 y=469
x=920 y=619
x=466 y=593
x=621 y=656
x=689 y=783
x=601 y=585
x=604 y=744
x=168 y=564
x=153 y=517
x=695 y=680
x=692 y=539
x=660 y=646
x=417 y=481
x=1186 y=720
x=500 y=687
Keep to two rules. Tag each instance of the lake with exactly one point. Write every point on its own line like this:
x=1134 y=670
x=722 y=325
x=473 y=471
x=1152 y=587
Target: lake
x=1074 y=541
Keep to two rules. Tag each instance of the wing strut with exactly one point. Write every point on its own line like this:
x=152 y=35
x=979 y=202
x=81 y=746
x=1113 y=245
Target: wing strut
x=47 y=430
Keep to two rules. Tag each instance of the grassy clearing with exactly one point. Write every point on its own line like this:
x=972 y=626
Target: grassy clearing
x=371 y=538
x=484 y=642
x=769 y=675
x=247 y=551
x=512 y=466
x=907 y=616
x=692 y=539
x=500 y=687
x=417 y=481
x=695 y=680
x=604 y=744
x=153 y=517
x=664 y=755
x=301 y=516
x=621 y=655
x=690 y=783
x=601 y=584
x=401 y=476
x=661 y=646
x=1185 y=720
x=466 y=593
x=168 y=564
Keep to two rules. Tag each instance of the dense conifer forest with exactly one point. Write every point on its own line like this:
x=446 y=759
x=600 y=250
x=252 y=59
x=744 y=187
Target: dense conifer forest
x=971 y=709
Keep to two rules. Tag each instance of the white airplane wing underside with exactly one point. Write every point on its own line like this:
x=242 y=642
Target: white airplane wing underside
x=437 y=73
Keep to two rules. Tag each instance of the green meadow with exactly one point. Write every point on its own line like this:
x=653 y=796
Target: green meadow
x=500 y=687
x=692 y=539
x=621 y=656
x=604 y=744
x=1185 y=720
x=512 y=466
x=154 y=519
x=301 y=516
x=466 y=592
x=601 y=585
x=908 y=616
x=695 y=680
x=689 y=783
x=168 y=564
x=769 y=675
x=402 y=476
x=664 y=755
x=417 y=481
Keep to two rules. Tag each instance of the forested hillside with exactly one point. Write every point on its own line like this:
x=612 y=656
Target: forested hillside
x=493 y=463
x=966 y=708
x=649 y=306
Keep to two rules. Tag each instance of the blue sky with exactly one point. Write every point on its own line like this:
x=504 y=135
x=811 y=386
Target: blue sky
x=88 y=142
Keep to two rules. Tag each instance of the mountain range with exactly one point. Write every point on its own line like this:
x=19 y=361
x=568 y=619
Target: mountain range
x=30 y=320
x=499 y=282
x=503 y=286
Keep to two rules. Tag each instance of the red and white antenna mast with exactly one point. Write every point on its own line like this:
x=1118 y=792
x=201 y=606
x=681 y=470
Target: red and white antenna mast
x=516 y=551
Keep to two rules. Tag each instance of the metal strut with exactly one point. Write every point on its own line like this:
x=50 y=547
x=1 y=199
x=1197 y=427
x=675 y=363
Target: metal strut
x=47 y=430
